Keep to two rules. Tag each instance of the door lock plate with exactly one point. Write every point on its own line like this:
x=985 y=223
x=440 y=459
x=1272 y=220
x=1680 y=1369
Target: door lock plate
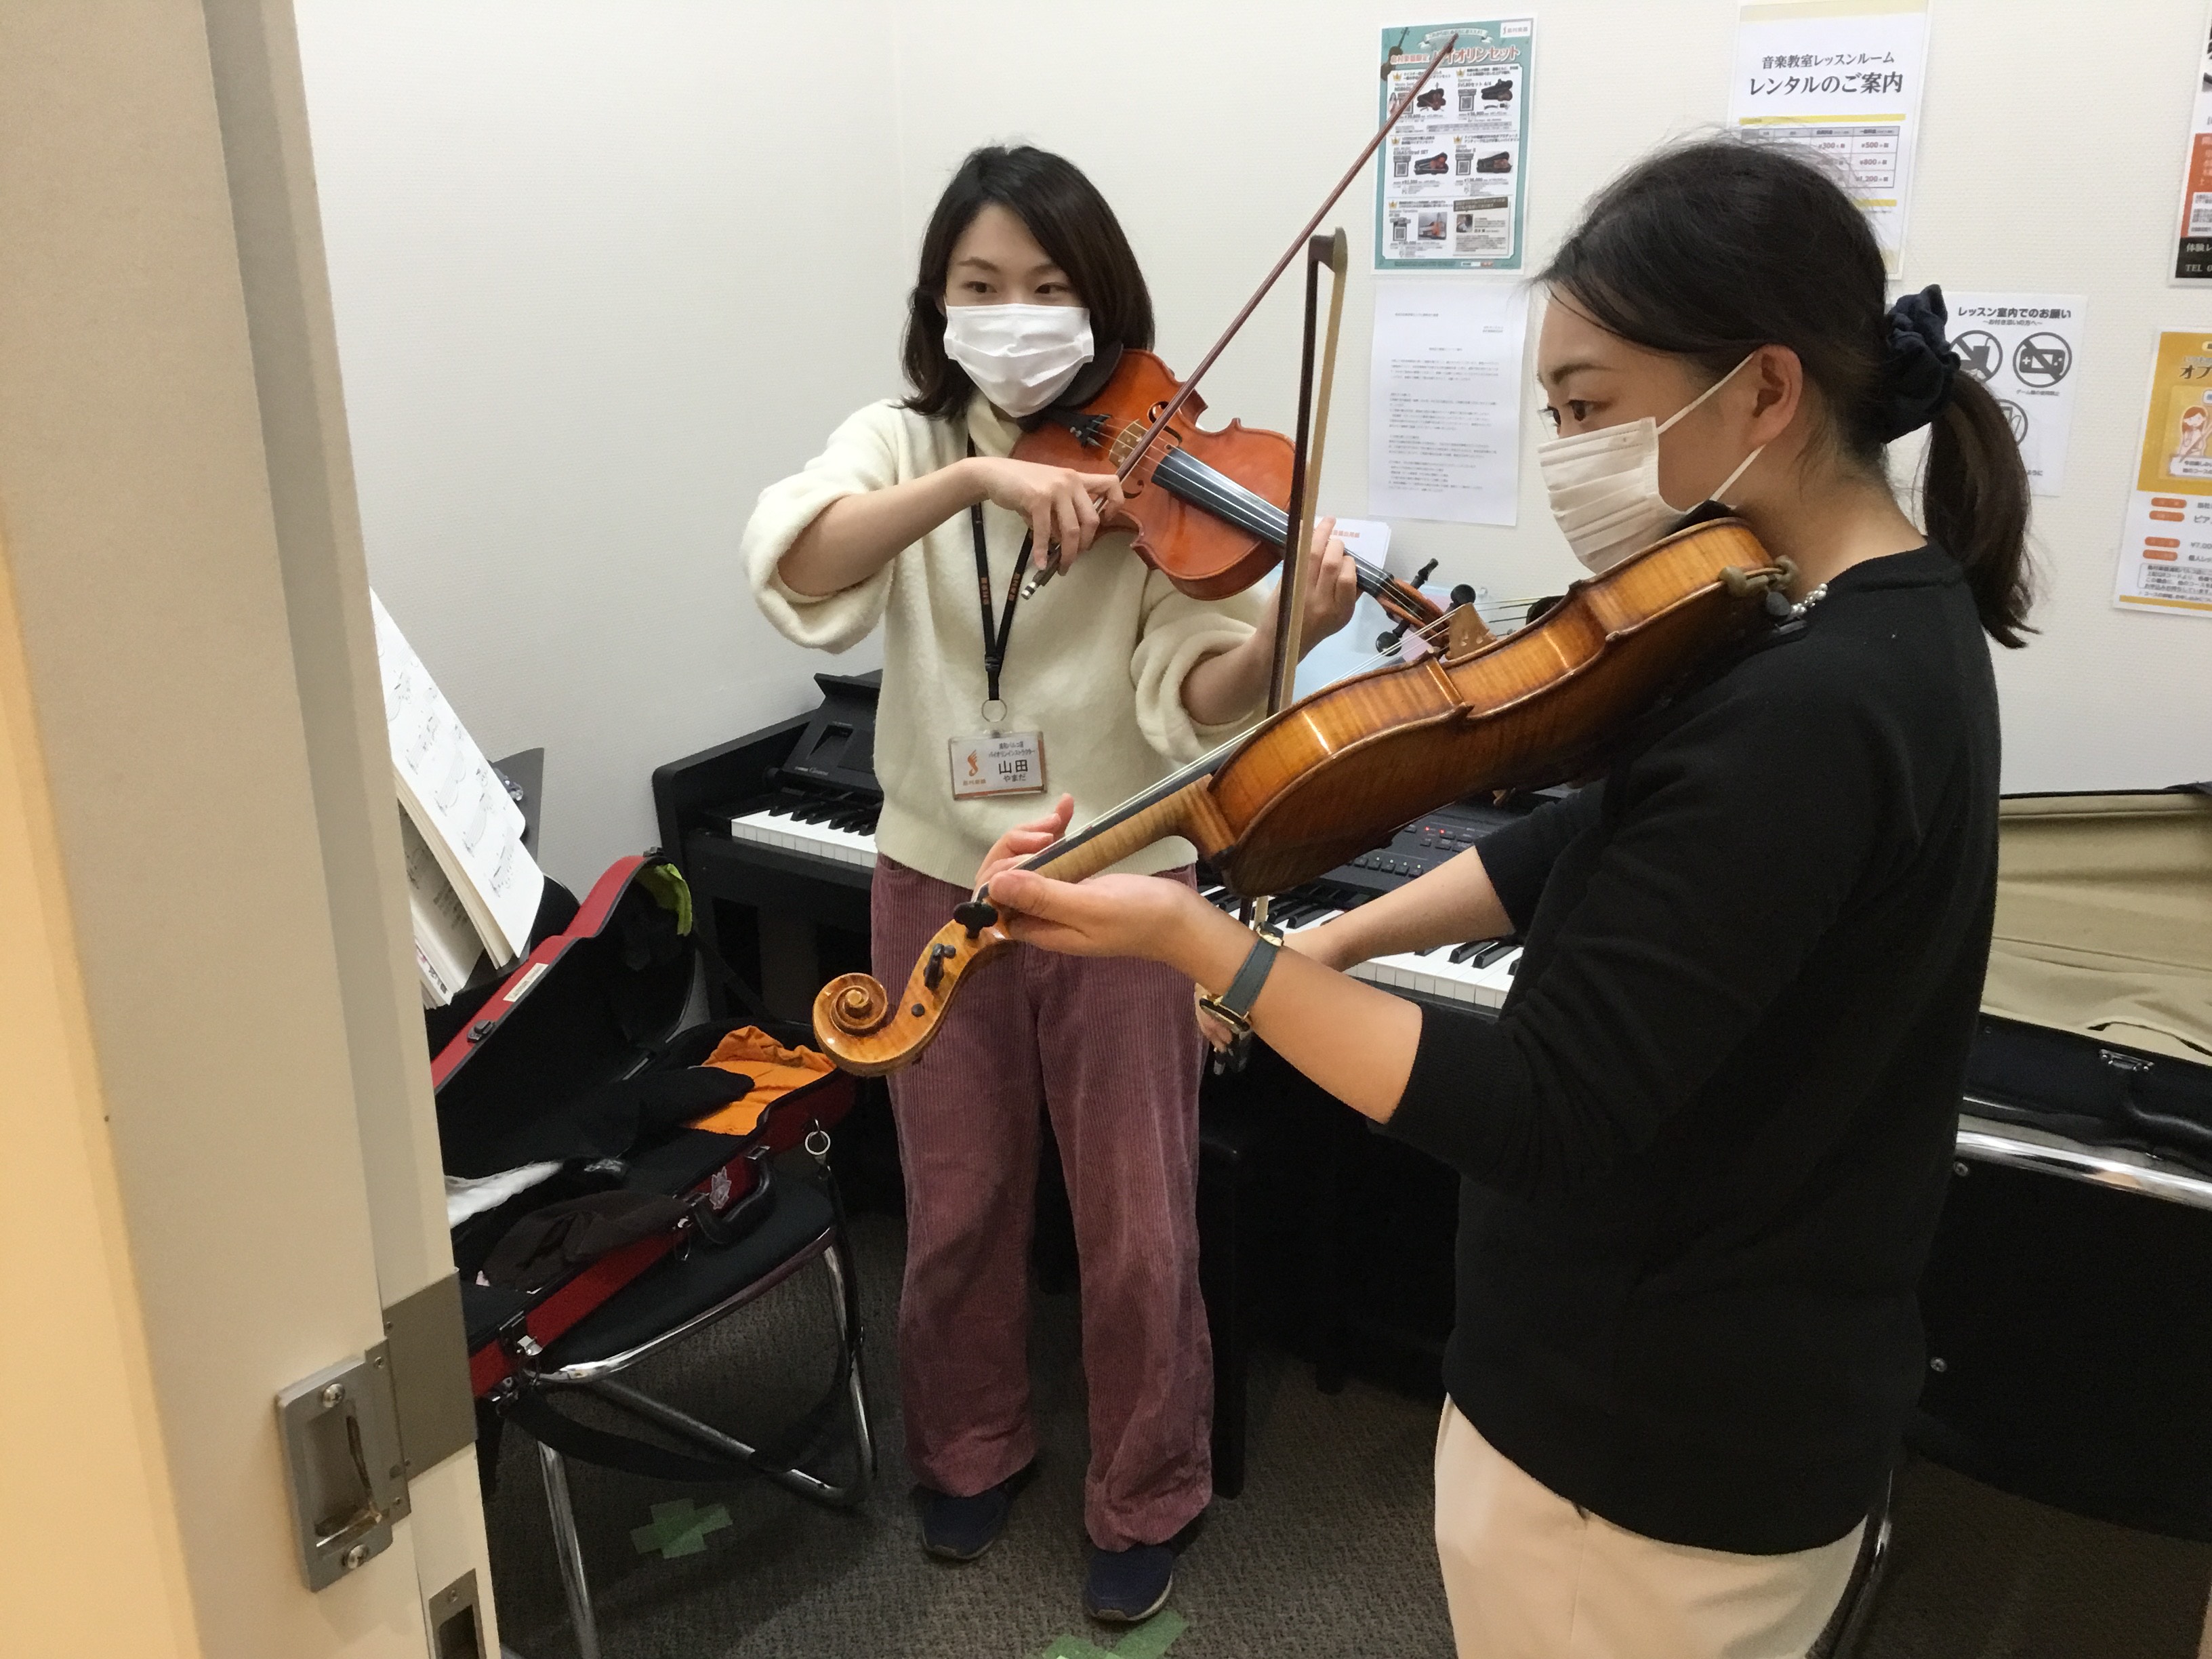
x=343 y=1465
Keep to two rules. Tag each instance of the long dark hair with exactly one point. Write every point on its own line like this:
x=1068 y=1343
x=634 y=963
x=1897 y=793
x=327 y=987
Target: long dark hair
x=1071 y=223
x=1713 y=249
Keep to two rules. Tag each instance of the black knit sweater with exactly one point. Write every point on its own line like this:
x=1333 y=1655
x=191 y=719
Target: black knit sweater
x=1707 y=1141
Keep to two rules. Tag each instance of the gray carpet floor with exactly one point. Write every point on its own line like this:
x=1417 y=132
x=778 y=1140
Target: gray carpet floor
x=1326 y=1554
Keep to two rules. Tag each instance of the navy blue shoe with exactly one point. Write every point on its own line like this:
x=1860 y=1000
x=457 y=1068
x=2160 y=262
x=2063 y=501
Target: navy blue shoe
x=962 y=1529
x=1127 y=1587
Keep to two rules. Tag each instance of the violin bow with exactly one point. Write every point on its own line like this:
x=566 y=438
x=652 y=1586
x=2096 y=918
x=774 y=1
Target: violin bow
x=1174 y=405
x=1305 y=464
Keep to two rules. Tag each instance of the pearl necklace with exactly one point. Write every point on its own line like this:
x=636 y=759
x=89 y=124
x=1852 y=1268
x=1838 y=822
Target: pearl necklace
x=1782 y=609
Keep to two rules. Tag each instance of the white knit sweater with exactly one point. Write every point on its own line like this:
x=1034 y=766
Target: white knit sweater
x=1096 y=664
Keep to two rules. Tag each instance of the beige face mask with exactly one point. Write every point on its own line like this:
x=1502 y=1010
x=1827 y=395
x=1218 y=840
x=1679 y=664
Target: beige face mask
x=1604 y=485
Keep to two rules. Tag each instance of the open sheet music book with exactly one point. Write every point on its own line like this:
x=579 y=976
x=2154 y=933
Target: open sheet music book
x=464 y=819
x=446 y=946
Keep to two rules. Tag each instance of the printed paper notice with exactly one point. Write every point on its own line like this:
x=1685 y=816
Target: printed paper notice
x=2192 y=257
x=1840 y=79
x=1448 y=183
x=2022 y=347
x=456 y=800
x=1443 y=422
x=2165 y=550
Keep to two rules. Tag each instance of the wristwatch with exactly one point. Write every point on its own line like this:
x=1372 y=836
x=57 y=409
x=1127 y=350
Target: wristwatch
x=1233 y=1007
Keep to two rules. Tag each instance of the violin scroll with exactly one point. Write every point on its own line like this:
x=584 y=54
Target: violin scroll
x=864 y=1032
x=855 y=1003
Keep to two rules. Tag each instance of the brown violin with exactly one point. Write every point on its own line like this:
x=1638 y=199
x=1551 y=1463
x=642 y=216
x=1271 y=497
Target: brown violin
x=1336 y=775
x=1207 y=509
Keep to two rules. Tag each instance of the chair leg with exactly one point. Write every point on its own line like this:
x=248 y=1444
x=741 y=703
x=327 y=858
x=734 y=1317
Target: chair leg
x=844 y=1295
x=1877 y=1564
x=1847 y=1625
x=568 y=1550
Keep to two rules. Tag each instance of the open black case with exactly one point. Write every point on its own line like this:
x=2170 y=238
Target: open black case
x=565 y=1061
x=2065 y=1301
x=2097 y=1017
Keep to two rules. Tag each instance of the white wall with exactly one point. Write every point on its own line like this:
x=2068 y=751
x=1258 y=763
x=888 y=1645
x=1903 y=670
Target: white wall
x=600 y=274
x=604 y=269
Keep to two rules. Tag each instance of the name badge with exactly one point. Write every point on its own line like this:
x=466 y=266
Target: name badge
x=998 y=763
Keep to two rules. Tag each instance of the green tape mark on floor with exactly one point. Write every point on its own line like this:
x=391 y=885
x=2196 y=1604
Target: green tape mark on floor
x=679 y=1528
x=1148 y=1641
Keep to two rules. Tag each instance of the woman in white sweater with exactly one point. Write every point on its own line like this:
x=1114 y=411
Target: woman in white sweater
x=1027 y=296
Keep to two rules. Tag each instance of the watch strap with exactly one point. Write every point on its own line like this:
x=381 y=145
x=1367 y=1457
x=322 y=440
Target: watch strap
x=1234 y=1006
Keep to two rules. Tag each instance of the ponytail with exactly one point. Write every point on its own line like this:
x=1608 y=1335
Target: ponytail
x=1712 y=249
x=1974 y=495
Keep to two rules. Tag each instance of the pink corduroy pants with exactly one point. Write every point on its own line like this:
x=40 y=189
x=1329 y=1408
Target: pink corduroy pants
x=1111 y=1049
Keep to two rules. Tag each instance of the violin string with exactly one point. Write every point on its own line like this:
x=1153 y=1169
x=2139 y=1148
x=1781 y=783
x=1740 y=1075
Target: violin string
x=1207 y=487
x=1199 y=481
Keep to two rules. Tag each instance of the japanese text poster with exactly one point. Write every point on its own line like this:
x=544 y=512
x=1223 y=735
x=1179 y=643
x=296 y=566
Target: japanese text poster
x=1443 y=420
x=1448 y=183
x=2165 y=550
x=1840 y=79
x=2192 y=257
x=2023 y=347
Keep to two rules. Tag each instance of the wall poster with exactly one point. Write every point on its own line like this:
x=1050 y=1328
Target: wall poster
x=2165 y=547
x=1445 y=400
x=1840 y=79
x=2193 y=253
x=1448 y=183
x=2024 y=348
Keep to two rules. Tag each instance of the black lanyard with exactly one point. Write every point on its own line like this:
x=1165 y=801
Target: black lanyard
x=994 y=639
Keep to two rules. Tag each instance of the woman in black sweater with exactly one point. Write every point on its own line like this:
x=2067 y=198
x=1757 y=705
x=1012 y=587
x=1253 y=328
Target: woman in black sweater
x=1707 y=1141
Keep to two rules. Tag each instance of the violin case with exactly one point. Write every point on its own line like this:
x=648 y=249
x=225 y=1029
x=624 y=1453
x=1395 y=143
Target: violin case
x=587 y=1053
x=2097 y=1014
x=2069 y=1353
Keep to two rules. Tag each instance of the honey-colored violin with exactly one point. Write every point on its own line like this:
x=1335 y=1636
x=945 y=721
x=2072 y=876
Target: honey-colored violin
x=1331 y=776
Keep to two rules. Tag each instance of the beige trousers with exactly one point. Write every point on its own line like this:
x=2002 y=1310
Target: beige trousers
x=1531 y=1576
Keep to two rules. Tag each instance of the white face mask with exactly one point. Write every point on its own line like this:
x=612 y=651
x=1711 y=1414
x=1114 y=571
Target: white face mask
x=1604 y=485
x=1021 y=357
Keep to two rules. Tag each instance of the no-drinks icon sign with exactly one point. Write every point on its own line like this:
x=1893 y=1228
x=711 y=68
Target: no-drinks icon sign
x=1981 y=354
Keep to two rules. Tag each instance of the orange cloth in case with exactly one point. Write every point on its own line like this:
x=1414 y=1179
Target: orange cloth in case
x=775 y=1071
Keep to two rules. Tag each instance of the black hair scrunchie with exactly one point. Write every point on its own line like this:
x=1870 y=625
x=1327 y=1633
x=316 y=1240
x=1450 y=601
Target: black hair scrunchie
x=1917 y=374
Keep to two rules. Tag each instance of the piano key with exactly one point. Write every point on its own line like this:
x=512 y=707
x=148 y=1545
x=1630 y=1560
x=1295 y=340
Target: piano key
x=1443 y=971
x=785 y=828
x=1438 y=975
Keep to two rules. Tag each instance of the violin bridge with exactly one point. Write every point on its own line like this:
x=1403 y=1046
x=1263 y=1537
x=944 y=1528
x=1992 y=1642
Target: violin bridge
x=1467 y=632
x=1123 y=446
